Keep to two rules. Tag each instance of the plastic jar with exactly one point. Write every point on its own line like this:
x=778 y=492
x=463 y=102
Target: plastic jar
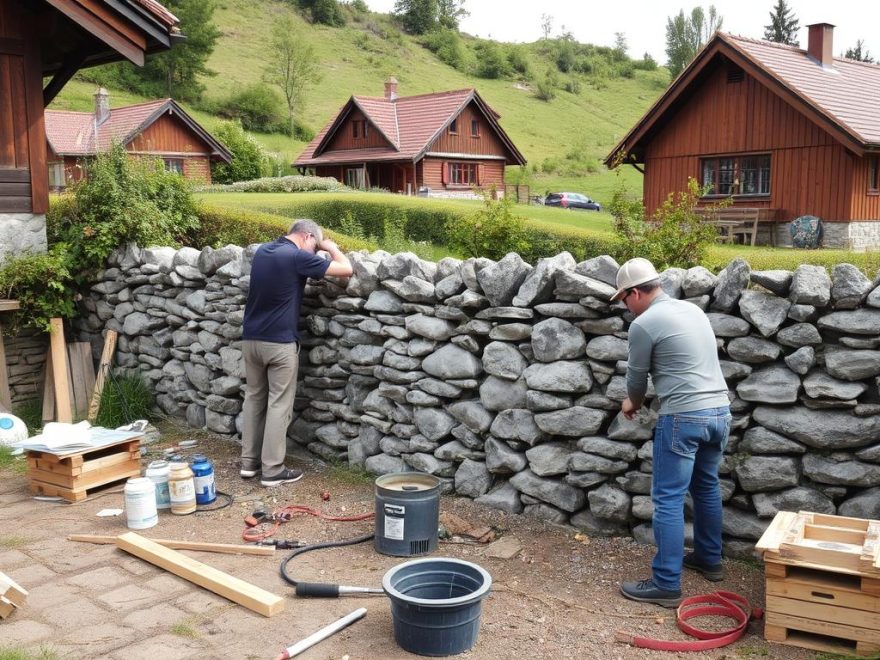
x=140 y=503
x=157 y=472
x=203 y=471
x=181 y=489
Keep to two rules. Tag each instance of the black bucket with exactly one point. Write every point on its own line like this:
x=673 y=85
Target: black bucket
x=436 y=604
x=407 y=514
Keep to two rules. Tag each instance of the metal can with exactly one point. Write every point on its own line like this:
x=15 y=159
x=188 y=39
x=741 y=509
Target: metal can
x=157 y=472
x=181 y=489
x=140 y=503
x=203 y=470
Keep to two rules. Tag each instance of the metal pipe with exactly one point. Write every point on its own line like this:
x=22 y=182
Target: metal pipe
x=322 y=634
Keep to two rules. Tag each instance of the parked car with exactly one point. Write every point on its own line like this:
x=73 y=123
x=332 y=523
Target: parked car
x=570 y=200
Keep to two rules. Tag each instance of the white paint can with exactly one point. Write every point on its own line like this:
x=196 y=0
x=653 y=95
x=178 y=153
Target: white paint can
x=140 y=503
x=157 y=472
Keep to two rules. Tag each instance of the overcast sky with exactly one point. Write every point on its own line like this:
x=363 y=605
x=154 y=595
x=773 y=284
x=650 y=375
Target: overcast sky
x=644 y=21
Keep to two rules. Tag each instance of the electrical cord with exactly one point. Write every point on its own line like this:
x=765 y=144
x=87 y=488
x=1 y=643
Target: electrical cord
x=256 y=531
x=213 y=506
x=323 y=589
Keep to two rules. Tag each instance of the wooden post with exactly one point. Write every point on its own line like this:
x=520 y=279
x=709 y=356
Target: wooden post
x=103 y=368
x=58 y=348
x=5 y=396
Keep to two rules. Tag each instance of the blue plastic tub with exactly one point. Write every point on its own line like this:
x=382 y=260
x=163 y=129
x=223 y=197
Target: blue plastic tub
x=436 y=604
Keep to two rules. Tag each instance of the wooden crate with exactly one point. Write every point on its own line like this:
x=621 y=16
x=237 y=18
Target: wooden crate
x=71 y=476
x=823 y=582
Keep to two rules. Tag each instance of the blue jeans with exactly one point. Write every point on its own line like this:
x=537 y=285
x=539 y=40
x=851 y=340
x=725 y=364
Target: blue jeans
x=688 y=448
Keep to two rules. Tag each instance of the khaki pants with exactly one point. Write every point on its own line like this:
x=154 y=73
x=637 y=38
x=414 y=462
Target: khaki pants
x=270 y=374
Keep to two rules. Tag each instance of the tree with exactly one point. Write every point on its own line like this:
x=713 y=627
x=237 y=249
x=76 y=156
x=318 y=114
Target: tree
x=325 y=12
x=292 y=65
x=175 y=73
x=450 y=12
x=417 y=16
x=857 y=54
x=620 y=46
x=546 y=25
x=685 y=36
x=783 y=26
x=249 y=161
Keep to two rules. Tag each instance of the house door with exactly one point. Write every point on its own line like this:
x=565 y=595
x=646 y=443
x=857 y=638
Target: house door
x=354 y=177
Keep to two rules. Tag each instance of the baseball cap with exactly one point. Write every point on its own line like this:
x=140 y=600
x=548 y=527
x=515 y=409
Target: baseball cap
x=632 y=273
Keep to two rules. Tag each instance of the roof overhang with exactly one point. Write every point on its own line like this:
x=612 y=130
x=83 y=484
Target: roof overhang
x=631 y=148
x=341 y=116
x=218 y=149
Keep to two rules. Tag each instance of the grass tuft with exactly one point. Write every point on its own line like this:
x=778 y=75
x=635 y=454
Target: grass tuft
x=126 y=398
x=184 y=629
x=21 y=653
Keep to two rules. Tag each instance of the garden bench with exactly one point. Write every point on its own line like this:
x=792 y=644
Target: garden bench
x=735 y=221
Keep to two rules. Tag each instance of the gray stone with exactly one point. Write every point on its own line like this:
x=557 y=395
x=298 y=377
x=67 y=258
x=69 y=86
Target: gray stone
x=366 y=354
x=565 y=310
x=543 y=401
x=620 y=451
x=400 y=362
x=698 y=281
x=195 y=416
x=412 y=289
x=602 y=268
x=537 y=287
x=635 y=482
x=501 y=281
x=557 y=493
x=500 y=394
x=742 y=525
x=420 y=347
x=849 y=286
x=573 y=285
x=472 y=414
x=549 y=459
x=501 y=459
x=607 y=326
x=141 y=324
x=758 y=440
x=428 y=463
x=852 y=364
x=543 y=511
x=753 y=350
x=730 y=284
x=763 y=310
x=799 y=334
x=511 y=332
x=429 y=327
x=594 y=526
x=516 y=424
x=505 y=313
x=450 y=285
x=384 y=302
x=726 y=325
x=802 y=313
x=802 y=360
x=610 y=503
x=608 y=348
x=560 y=376
x=836 y=469
x=397 y=266
x=583 y=462
x=820 y=385
x=555 y=339
x=455 y=450
x=504 y=497
x=856 y=322
x=472 y=479
x=734 y=370
x=585 y=479
x=763 y=473
x=638 y=429
x=863 y=505
x=671 y=280
x=810 y=285
x=465 y=300
x=825 y=429
x=574 y=421
x=451 y=362
x=503 y=360
x=384 y=464
x=433 y=423
x=776 y=281
x=801 y=498
x=219 y=423
x=774 y=384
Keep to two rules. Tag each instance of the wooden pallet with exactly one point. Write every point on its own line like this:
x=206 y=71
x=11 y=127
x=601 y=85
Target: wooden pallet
x=823 y=582
x=71 y=476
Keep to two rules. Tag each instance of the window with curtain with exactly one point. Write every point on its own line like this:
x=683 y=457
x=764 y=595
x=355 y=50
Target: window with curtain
x=739 y=175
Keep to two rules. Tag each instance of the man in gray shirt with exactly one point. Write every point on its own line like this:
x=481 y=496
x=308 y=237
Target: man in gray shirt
x=673 y=341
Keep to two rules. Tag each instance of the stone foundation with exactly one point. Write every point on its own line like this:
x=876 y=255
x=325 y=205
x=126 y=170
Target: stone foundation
x=856 y=236
x=22 y=232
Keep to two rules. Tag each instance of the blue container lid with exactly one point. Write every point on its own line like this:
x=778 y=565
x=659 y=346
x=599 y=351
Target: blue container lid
x=6 y=423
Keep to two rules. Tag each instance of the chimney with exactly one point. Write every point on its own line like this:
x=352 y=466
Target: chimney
x=819 y=43
x=391 y=89
x=102 y=106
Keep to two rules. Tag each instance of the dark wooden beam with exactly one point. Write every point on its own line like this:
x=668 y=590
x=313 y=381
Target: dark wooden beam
x=69 y=67
x=86 y=18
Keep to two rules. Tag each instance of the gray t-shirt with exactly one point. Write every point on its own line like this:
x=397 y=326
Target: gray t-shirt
x=673 y=340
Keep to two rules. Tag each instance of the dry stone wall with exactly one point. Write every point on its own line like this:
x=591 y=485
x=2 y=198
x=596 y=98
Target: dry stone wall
x=505 y=380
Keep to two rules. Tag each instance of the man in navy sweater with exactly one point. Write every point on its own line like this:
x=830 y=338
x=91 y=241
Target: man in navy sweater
x=271 y=343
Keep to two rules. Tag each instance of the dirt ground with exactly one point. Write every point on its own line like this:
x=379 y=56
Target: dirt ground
x=558 y=598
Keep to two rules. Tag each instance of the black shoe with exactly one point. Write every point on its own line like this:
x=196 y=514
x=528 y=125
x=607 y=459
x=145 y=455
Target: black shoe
x=644 y=591
x=286 y=476
x=712 y=573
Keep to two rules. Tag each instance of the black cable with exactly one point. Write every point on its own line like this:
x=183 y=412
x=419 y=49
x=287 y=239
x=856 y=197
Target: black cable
x=204 y=507
x=321 y=589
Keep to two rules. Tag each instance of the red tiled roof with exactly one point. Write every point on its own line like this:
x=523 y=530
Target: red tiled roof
x=848 y=91
x=410 y=123
x=73 y=133
x=159 y=12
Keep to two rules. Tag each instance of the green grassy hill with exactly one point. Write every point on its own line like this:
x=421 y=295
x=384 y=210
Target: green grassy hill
x=573 y=132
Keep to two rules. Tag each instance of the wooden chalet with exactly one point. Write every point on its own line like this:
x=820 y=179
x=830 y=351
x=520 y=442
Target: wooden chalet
x=53 y=39
x=445 y=144
x=784 y=132
x=158 y=129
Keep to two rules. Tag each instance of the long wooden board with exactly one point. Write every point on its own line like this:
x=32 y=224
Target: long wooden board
x=60 y=381
x=238 y=591
x=224 y=548
x=103 y=368
x=5 y=396
x=6 y=608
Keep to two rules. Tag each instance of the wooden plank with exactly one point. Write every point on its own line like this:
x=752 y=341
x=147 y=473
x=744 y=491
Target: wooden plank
x=222 y=584
x=6 y=608
x=838 y=521
x=842 y=557
x=834 y=534
x=88 y=370
x=822 y=612
x=48 y=390
x=224 y=548
x=829 y=591
x=12 y=591
x=5 y=396
x=103 y=368
x=7 y=305
x=60 y=381
x=819 y=627
x=50 y=490
x=130 y=468
x=81 y=395
x=772 y=536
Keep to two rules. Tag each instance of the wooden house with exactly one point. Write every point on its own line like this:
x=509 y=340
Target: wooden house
x=781 y=130
x=446 y=144
x=53 y=39
x=158 y=129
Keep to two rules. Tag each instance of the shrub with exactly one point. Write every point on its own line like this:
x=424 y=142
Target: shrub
x=545 y=88
x=447 y=46
x=248 y=158
x=518 y=58
x=566 y=55
x=257 y=107
x=675 y=236
x=647 y=63
x=573 y=86
x=491 y=232
x=291 y=183
x=42 y=283
x=491 y=62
